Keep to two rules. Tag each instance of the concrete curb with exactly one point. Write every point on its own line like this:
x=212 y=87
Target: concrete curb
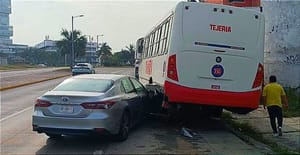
x=263 y=147
x=29 y=83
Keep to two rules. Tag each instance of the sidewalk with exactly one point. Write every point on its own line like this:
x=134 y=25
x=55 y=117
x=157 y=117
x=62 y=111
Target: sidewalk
x=259 y=120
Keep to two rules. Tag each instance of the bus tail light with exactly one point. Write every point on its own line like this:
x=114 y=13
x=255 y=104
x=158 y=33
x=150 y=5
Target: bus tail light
x=172 y=69
x=98 y=105
x=42 y=103
x=259 y=76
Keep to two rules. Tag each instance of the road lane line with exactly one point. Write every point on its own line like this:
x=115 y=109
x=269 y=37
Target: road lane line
x=15 y=114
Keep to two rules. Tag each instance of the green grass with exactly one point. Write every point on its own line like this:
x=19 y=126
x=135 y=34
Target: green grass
x=246 y=129
x=294 y=102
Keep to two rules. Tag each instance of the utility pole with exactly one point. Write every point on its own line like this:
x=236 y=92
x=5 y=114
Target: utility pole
x=72 y=41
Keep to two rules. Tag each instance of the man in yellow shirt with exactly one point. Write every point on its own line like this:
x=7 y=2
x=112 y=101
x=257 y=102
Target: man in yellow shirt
x=274 y=98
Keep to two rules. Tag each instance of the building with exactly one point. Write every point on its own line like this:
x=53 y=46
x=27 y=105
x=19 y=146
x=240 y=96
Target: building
x=282 y=43
x=6 y=31
x=90 y=54
x=47 y=45
x=90 y=50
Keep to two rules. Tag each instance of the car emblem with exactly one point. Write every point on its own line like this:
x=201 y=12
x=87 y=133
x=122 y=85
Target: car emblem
x=65 y=99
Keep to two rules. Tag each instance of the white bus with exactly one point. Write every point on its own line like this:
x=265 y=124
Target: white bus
x=208 y=55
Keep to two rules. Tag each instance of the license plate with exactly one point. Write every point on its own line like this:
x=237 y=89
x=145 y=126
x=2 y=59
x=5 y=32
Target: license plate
x=215 y=86
x=66 y=109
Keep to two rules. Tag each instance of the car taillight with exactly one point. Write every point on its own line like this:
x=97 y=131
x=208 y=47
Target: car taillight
x=259 y=76
x=42 y=103
x=98 y=105
x=172 y=69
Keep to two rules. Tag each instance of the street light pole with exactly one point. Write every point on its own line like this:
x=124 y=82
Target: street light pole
x=72 y=40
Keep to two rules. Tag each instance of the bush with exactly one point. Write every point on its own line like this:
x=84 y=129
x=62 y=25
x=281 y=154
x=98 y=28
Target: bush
x=294 y=102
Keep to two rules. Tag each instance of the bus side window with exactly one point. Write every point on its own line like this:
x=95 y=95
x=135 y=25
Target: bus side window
x=141 y=46
x=150 y=45
x=146 y=47
x=154 y=43
x=169 y=34
x=158 y=41
x=162 y=39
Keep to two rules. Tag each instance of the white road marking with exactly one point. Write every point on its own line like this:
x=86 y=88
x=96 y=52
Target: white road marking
x=15 y=114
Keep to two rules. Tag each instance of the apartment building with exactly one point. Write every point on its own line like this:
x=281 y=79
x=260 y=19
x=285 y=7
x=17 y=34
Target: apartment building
x=6 y=31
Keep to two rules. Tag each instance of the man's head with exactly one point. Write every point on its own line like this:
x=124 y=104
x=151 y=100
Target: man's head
x=272 y=78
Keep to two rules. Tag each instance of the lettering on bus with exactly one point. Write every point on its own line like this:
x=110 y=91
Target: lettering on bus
x=149 y=67
x=220 y=28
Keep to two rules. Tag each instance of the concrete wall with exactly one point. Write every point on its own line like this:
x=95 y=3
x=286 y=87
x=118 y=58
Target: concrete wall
x=282 y=45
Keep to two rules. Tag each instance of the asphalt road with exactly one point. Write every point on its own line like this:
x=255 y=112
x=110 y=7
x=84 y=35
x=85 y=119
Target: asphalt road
x=153 y=136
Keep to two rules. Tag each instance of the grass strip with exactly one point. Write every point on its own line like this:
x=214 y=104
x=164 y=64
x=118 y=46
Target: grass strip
x=251 y=132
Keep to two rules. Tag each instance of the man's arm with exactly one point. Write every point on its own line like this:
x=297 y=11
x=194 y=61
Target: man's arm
x=264 y=100
x=284 y=101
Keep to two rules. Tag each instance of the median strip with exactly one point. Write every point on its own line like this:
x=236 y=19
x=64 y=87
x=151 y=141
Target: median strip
x=34 y=82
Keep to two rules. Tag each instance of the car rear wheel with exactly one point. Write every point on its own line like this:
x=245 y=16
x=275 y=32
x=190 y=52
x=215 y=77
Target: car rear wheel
x=124 y=127
x=53 y=136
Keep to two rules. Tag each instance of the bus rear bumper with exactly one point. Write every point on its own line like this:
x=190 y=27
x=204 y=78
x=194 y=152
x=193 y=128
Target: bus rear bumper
x=182 y=94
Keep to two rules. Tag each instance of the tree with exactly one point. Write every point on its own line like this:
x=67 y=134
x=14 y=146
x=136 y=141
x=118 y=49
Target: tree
x=121 y=58
x=38 y=56
x=65 y=44
x=131 y=50
x=104 y=53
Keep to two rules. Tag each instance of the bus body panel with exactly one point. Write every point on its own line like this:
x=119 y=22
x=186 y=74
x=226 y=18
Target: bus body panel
x=198 y=45
x=182 y=94
x=154 y=68
x=195 y=71
x=201 y=34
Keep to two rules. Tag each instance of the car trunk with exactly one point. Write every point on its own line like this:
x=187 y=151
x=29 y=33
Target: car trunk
x=67 y=103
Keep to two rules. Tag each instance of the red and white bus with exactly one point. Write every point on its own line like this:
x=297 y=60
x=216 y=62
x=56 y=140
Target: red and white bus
x=205 y=54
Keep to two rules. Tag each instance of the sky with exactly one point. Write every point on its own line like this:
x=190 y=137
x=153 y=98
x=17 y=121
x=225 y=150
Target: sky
x=121 y=22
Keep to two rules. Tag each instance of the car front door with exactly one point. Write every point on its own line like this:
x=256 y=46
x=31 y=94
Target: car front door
x=142 y=93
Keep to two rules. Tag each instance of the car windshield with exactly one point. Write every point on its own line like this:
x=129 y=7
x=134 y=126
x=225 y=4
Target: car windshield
x=85 y=85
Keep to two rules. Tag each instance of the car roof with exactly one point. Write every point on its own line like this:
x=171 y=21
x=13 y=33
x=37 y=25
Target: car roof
x=100 y=76
x=82 y=64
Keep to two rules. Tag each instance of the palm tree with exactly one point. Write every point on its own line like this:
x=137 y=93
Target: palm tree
x=65 y=44
x=131 y=50
x=104 y=52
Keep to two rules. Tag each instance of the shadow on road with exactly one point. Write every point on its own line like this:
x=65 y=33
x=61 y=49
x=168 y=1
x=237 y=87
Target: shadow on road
x=166 y=133
x=75 y=145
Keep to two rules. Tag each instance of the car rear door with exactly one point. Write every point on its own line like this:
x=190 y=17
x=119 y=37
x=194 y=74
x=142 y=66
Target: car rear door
x=132 y=98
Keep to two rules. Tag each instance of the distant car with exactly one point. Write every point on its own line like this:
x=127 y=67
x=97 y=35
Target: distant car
x=83 y=68
x=91 y=104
